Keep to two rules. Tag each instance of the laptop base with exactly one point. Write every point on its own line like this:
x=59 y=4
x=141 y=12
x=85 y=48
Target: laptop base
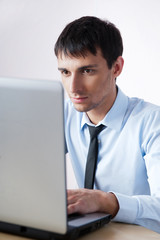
x=45 y=235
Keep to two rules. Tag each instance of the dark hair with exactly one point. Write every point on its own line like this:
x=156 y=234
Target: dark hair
x=88 y=34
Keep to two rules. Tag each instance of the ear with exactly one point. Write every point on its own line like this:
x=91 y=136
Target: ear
x=118 y=66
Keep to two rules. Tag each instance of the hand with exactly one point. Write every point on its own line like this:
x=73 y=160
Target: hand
x=87 y=201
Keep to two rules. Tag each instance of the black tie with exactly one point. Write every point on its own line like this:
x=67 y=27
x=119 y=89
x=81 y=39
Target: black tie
x=92 y=156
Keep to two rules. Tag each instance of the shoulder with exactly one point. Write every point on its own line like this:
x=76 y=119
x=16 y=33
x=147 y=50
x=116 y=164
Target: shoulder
x=144 y=112
x=143 y=107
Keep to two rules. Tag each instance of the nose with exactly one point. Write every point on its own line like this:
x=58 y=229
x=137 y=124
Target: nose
x=75 y=83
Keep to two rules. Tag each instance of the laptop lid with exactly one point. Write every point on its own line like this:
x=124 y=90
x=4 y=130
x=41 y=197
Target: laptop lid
x=32 y=164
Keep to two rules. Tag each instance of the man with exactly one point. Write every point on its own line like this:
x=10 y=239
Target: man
x=127 y=178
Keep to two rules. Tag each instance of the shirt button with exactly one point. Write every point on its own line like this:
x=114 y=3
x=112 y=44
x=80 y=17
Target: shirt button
x=99 y=141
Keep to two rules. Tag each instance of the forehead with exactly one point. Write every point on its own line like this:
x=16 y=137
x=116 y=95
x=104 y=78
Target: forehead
x=79 y=61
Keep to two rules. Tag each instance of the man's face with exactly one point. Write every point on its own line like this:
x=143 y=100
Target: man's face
x=89 y=82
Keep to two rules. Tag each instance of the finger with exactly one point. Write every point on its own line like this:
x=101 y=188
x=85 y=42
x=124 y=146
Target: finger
x=72 y=196
x=73 y=208
x=71 y=200
x=72 y=192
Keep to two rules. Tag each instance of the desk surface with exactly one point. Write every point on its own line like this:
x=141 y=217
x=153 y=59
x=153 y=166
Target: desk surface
x=112 y=231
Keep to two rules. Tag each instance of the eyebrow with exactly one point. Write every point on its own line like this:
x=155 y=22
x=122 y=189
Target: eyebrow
x=83 y=67
x=62 y=69
x=88 y=66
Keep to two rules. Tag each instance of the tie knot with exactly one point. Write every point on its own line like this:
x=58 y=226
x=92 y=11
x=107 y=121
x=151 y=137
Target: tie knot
x=94 y=131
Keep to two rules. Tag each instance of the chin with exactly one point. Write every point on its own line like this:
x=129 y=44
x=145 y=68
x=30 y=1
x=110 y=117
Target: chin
x=83 y=108
x=80 y=108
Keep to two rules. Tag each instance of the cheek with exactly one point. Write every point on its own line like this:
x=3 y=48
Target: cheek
x=99 y=84
x=96 y=90
x=101 y=87
x=65 y=84
x=94 y=84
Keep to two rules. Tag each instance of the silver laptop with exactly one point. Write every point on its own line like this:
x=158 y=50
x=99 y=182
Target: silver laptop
x=33 y=201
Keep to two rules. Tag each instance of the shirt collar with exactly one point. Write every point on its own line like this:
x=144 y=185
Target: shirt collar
x=115 y=116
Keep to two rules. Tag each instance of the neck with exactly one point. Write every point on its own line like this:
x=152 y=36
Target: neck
x=97 y=114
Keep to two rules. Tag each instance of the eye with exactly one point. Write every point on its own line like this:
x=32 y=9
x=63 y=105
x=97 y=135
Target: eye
x=88 y=71
x=65 y=72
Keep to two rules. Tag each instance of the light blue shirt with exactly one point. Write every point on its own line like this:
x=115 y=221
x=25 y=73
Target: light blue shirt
x=128 y=159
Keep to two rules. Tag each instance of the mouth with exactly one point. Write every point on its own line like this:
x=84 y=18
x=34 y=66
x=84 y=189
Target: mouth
x=78 y=99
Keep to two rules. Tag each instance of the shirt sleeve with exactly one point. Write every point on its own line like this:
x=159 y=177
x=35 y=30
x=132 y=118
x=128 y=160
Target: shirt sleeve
x=144 y=210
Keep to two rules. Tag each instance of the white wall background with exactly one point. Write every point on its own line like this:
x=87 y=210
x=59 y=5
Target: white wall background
x=29 y=29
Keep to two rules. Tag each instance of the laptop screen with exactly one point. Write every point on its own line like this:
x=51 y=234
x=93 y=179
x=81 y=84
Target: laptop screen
x=32 y=159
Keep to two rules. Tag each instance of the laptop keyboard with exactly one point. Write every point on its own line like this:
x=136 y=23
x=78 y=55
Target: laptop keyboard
x=74 y=216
